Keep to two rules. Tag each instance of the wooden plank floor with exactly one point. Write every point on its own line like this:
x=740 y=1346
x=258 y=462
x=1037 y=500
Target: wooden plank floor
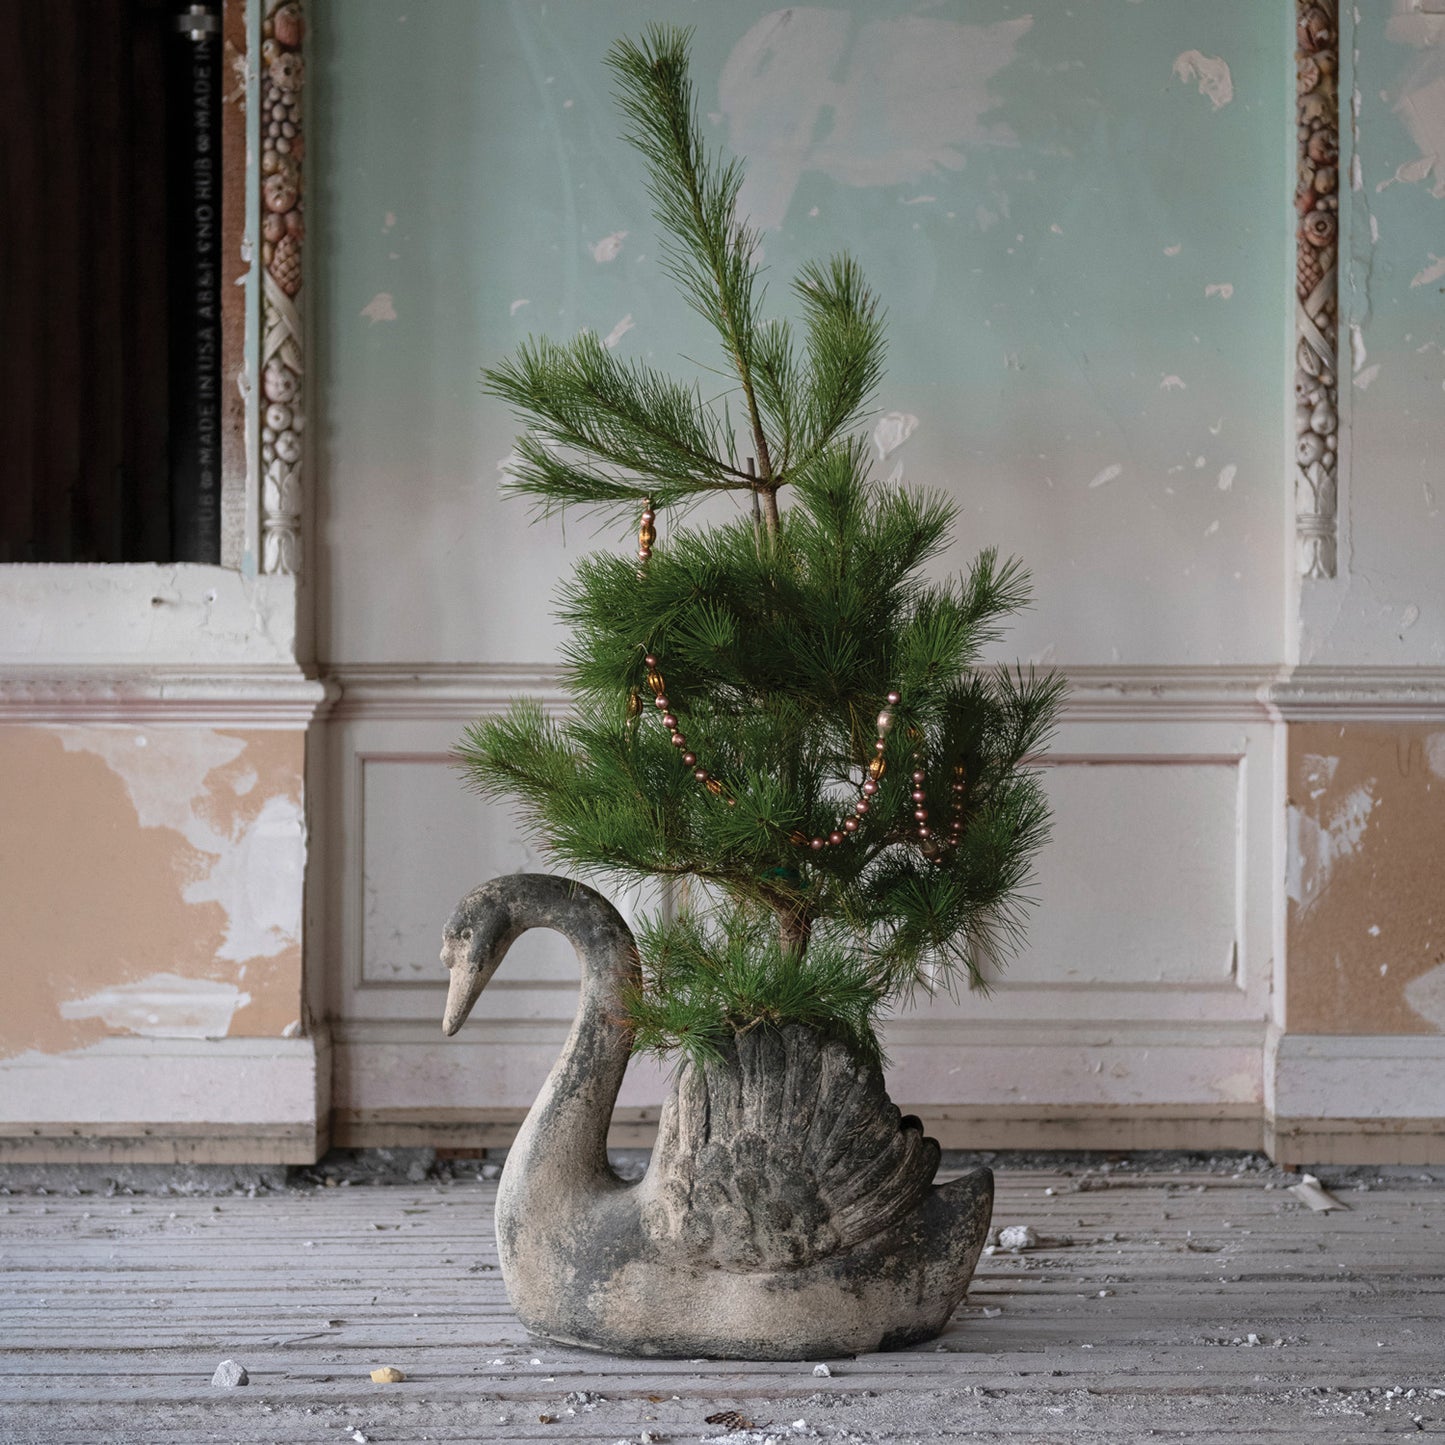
x=1136 y=1317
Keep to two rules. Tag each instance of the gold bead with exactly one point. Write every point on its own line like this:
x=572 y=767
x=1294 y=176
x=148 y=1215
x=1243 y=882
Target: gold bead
x=655 y=682
x=634 y=705
x=877 y=768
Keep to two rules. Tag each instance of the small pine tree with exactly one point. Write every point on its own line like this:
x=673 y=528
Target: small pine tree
x=782 y=714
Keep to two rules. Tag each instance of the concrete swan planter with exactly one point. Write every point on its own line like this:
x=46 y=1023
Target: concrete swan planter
x=789 y=1212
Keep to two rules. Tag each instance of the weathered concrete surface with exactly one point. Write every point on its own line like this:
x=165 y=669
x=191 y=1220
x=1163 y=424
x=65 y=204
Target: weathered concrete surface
x=114 y=1313
x=789 y=1212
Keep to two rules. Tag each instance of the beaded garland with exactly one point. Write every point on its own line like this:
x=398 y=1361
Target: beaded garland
x=932 y=844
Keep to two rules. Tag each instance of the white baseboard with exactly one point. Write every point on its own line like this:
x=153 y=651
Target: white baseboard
x=975 y=1085
x=1355 y=1098
x=1356 y=1076
x=257 y=1101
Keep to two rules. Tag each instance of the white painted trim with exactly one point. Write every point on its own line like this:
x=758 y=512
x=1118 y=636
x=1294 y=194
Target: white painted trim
x=956 y=1065
x=448 y=691
x=160 y=1084
x=250 y=697
x=1385 y=1077
x=914 y=1032
x=114 y=615
x=1359 y=694
x=386 y=692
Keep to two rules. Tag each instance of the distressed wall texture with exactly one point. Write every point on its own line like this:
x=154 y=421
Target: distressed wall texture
x=152 y=881
x=1078 y=217
x=1366 y=887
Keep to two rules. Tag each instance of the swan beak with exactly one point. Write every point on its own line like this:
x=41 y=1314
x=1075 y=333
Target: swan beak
x=465 y=987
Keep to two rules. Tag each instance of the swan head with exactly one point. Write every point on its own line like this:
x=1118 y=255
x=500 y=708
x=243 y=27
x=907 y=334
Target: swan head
x=474 y=941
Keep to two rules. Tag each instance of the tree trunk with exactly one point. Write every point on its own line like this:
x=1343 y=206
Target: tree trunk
x=794 y=929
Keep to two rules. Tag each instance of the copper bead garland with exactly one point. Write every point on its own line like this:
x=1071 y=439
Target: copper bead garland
x=646 y=532
x=933 y=847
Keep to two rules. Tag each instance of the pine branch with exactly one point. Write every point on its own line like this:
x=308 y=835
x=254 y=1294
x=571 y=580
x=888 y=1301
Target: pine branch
x=845 y=351
x=581 y=397
x=708 y=252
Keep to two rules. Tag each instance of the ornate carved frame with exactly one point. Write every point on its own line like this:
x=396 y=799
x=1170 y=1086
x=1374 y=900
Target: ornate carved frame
x=1317 y=203
x=275 y=388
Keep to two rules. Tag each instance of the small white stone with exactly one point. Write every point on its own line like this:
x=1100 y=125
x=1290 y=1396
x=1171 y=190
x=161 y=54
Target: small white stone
x=1017 y=1236
x=229 y=1373
x=822 y=1370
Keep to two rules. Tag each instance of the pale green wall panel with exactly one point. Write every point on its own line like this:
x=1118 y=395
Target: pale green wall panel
x=1077 y=215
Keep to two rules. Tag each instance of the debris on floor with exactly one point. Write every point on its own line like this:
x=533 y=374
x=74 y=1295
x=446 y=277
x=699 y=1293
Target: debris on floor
x=1017 y=1236
x=822 y=1370
x=730 y=1419
x=229 y=1373
x=1236 y=1314
x=387 y=1375
x=1312 y=1192
x=762 y=1434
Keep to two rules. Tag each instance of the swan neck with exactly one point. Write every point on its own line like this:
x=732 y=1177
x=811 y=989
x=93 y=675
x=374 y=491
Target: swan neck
x=564 y=1138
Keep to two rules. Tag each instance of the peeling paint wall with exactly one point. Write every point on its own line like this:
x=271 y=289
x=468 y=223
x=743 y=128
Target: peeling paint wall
x=1076 y=215
x=152 y=884
x=1366 y=923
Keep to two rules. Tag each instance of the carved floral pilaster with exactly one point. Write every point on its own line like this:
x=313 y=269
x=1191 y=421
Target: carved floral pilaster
x=283 y=357
x=1316 y=287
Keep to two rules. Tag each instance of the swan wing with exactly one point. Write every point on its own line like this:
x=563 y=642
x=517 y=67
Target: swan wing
x=785 y=1151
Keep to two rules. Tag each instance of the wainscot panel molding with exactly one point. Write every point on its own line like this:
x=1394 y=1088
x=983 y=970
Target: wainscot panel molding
x=1151 y=1037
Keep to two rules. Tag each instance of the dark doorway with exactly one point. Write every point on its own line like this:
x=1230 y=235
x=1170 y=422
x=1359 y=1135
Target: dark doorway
x=110 y=264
